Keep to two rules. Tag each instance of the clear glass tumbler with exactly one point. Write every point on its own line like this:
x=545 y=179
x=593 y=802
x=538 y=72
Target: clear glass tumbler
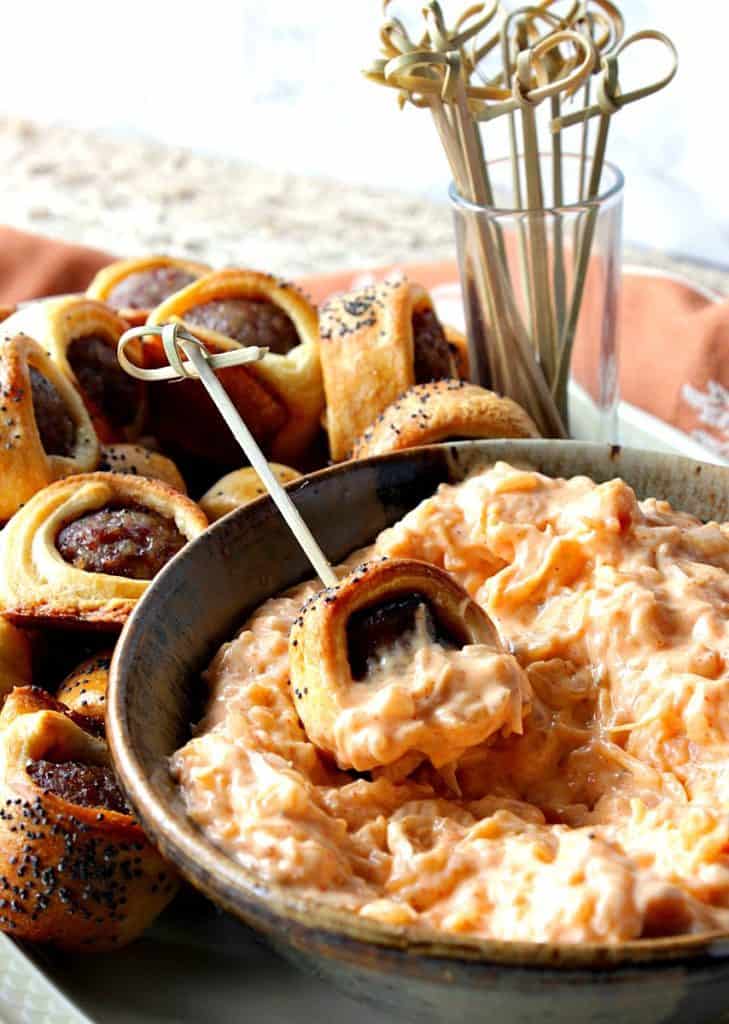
x=541 y=290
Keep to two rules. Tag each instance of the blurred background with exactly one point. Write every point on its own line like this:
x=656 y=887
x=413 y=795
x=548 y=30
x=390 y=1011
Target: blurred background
x=218 y=129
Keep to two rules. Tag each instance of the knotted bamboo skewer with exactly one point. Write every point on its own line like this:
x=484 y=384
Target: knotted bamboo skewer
x=524 y=353
x=201 y=364
x=610 y=99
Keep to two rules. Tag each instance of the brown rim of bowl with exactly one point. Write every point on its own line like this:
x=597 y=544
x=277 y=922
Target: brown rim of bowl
x=264 y=905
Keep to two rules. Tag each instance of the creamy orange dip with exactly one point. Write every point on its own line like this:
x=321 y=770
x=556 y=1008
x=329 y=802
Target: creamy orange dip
x=600 y=814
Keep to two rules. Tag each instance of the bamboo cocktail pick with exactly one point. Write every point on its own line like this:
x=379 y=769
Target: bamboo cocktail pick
x=201 y=364
x=520 y=340
x=610 y=99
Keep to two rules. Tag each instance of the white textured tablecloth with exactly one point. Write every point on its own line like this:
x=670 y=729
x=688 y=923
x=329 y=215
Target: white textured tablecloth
x=136 y=197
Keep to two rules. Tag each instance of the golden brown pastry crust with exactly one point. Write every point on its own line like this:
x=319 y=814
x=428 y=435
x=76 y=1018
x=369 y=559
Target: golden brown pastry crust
x=55 y=324
x=138 y=461
x=15 y=657
x=239 y=488
x=84 y=690
x=6 y=311
x=109 y=277
x=280 y=398
x=38 y=587
x=440 y=411
x=459 y=346
x=318 y=651
x=25 y=467
x=367 y=355
x=75 y=876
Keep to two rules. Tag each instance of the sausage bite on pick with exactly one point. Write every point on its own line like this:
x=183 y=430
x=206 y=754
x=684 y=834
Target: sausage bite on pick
x=398 y=660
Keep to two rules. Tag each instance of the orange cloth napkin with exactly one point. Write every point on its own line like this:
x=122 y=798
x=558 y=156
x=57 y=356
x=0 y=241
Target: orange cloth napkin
x=31 y=265
x=673 y=339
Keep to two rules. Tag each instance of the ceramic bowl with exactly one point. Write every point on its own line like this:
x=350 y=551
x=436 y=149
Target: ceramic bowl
x=199 y=601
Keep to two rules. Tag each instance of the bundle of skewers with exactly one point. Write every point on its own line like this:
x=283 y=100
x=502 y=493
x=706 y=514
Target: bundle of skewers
x=546 y=68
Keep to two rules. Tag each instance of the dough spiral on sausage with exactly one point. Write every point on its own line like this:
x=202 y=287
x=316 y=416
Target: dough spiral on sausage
x=444 y=410
x=80 y=335
x=15 y=658
x=45 y=430
x=82 y=551
x=84 y=689
x=376 y=343
x=76 y=868
x=280 y=398
x=135 y=460
x=134 y=287
x=240 y=487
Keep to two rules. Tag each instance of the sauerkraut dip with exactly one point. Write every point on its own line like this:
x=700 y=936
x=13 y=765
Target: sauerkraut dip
x=606 y=818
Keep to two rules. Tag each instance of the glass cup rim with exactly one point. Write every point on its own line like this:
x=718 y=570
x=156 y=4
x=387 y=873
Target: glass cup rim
x=613 y=191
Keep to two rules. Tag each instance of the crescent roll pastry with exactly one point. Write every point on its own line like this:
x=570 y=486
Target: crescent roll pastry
x=459 y=347
x=82 y=551
x=45 y=430
x=75 y=868
x=280 y=398
x=444 y=410
x=15 y=658
x=240 y=487
x=80 y=335
x=376 y=343
x=398 y=660
x=134 y=287
x=139 y=461
x=84 y=689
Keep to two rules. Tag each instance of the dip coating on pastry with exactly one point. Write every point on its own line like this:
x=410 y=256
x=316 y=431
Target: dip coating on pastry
x=397 y=660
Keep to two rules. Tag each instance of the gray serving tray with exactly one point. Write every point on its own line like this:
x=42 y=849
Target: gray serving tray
x=196 y=965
